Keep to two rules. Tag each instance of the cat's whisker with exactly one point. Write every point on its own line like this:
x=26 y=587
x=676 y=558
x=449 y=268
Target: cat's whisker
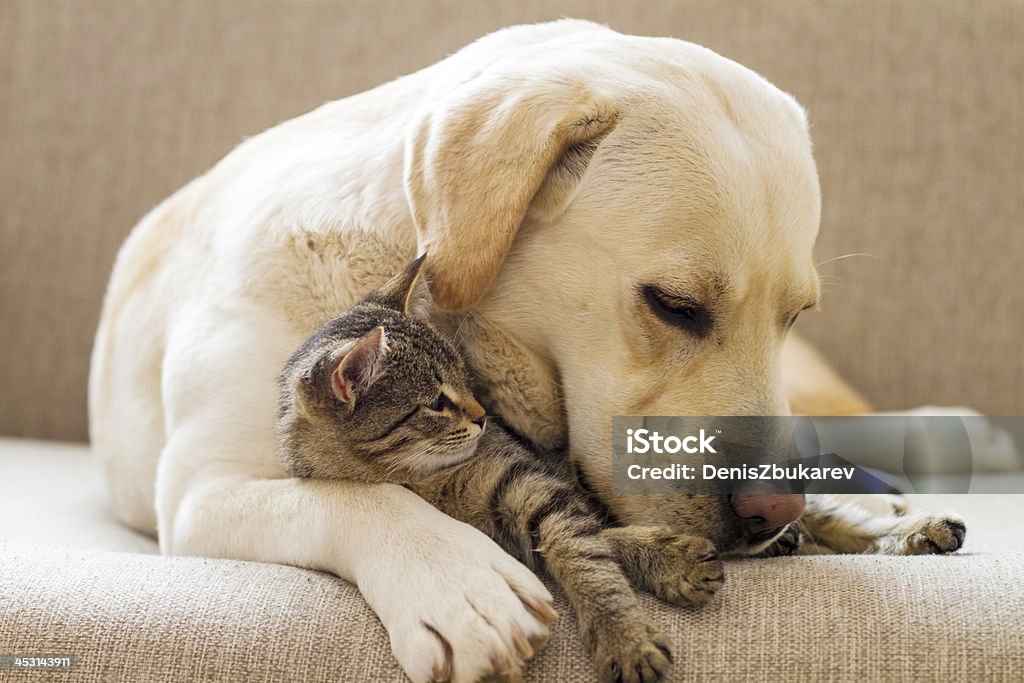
x=399 y=462
x=462 y=322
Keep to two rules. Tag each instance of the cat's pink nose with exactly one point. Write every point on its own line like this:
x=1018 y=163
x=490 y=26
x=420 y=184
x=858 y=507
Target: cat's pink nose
x=762 y=511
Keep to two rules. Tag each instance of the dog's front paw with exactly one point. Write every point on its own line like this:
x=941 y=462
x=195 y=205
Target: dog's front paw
x=634 y=652
x=933 y=535
x=457 y=608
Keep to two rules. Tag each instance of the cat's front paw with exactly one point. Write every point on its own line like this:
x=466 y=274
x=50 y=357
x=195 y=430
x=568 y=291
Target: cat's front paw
x=634 y=652
x=688 y=571
x=682 y=570
x=932 y=535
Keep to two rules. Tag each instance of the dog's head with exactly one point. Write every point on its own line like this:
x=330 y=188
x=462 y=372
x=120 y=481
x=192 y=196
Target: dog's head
x=640 y=213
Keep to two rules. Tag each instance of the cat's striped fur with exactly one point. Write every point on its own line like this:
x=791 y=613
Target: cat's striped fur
x=505 y=490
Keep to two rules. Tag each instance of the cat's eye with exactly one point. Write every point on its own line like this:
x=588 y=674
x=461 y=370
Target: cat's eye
x=677 y=311
x=443 y=402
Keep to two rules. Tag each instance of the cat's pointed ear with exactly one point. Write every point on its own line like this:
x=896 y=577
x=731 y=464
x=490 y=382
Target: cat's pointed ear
x=361 y=366
x=408 y=291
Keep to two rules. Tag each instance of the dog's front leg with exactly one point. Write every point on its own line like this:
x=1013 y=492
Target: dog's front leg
x=840 y=525
x=455 y=605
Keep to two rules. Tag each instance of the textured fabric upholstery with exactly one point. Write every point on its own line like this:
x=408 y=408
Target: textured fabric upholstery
x=66 y=587
x=52 y=494
x=148 y=618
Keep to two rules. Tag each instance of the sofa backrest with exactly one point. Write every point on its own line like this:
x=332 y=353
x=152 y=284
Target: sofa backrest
x=917 y=109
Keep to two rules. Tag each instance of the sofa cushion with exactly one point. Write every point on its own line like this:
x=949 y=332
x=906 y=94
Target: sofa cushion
x=146 y=617
x=52 y=493
x=139 y=616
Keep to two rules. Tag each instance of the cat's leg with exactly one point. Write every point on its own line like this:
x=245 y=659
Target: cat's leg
x=682 y=570
x=628 y=648
x=541 y=518
x=454 y=604
x=832 y=524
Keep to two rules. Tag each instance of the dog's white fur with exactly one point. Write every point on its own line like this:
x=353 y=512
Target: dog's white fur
x=548 y=170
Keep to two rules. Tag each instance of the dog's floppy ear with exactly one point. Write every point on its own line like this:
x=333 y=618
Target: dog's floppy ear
x=475 y=160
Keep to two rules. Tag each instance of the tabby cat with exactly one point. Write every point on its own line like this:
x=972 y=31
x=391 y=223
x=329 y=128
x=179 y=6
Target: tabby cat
x=379 y=395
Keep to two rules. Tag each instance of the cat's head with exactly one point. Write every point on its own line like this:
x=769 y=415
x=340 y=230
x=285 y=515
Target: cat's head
x=398 y=396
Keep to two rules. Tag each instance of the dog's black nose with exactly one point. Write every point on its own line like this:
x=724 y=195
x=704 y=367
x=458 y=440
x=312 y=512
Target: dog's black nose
x=761 y=511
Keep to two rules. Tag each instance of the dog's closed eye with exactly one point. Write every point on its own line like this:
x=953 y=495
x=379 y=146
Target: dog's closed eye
x=792 y=319
x=678 y=311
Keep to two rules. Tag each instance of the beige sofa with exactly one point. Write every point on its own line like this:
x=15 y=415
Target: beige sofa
x=106 y=108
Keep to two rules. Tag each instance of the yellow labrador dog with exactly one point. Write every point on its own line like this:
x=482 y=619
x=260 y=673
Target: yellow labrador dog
x=618 y=225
